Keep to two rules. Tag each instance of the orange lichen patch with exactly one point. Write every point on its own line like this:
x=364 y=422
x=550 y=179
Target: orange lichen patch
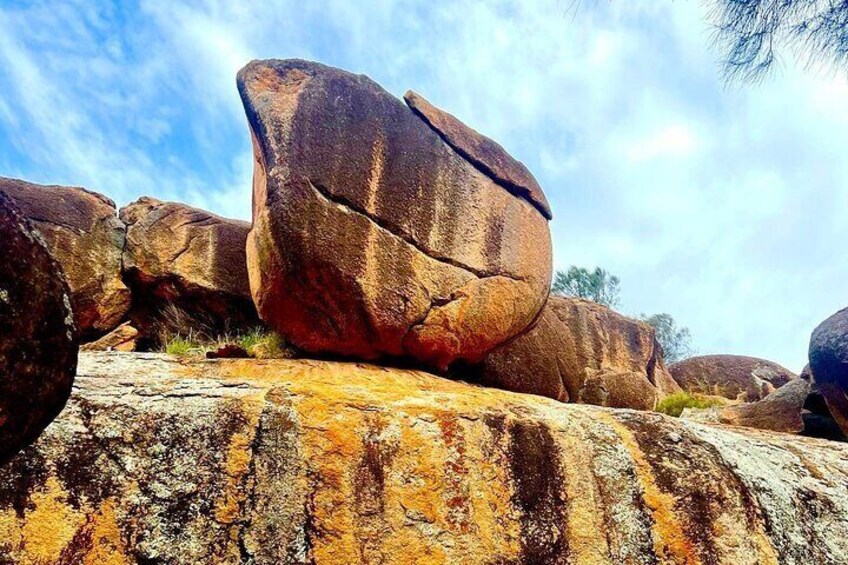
x=107 y=546
x=671 y=544
x=50 y=526
x=239 y=453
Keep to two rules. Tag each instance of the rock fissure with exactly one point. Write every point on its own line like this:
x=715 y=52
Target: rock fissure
x=515 y=190
x=345 y=203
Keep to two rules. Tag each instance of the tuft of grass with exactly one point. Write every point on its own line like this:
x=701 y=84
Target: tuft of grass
x=259 y=344
x=674 y=404
x=182 y=346
x=262 y=344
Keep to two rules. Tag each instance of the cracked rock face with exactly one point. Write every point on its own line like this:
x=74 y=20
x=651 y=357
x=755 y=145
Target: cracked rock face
x=580 y=351
x=38 y=342
x=240 y=461
x=730 y=376
x=829 y=364
x=85 y=236
x=182 y=259
x=375 y=237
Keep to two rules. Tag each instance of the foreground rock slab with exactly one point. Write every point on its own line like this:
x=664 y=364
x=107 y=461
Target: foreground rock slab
x=38 y=342
x=241 y=461
x=829 y=365
x=373 y=236
x=85 y=236
x=731 y=376
x=187 y=269
x=580 y=351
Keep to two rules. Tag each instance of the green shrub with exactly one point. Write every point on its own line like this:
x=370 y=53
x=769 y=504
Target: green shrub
x=674 y=404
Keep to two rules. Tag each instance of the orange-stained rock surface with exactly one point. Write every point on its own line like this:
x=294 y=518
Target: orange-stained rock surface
x=730 y=376
x=188 y=264
x=38 y=339
x=580 y=351
x=241 y=461
x=83 y=232
x=372 y=236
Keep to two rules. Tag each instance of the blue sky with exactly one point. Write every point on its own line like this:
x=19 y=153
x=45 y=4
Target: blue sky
x=721 y=205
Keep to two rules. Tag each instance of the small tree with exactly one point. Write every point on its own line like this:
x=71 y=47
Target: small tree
x=676 y=342
x=598 y=285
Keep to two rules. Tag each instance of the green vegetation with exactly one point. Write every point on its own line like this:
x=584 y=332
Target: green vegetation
x=262 y=344
x=259 y=343
x=183 y=346
x=598 y=285
x=676 y=342
x=674 y=404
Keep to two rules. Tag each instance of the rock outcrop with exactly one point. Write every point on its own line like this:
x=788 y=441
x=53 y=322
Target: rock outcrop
x=780 y=411
x=818 y=420
x=187 y=264
x=580 y=351
x=123 y=338
x=38 y=341
x=829 y=364
x=730 y=376
x=82 y=231
x=240 y=461
x=375 y=237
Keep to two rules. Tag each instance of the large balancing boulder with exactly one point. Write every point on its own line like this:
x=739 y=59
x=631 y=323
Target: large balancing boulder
x=376 y=234
x=38 y=342
x=580 y=351
x=187 y=269
x=829 y=364
x=83 y=233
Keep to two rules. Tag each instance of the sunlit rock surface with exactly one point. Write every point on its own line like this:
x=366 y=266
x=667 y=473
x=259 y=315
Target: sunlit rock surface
x=241 y=461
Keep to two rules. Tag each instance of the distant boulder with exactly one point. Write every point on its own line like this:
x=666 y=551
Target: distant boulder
x=38 y=341
x=730 y=376
x=187 y=270
x=379 y=232
x=829 y=364
x=780 y=411
x=83 y=232
x=580 y=351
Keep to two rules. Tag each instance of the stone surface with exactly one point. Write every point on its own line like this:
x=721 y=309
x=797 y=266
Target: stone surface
x=240 y=461
x=829 y=365
x=38 y=341
x=372 y=237
x=730 y=376
x=187 y=269
x=122 y=338
x=780 y=411
x=484 y=153
x=85 y=236
x=818 y=421
x=580 y=351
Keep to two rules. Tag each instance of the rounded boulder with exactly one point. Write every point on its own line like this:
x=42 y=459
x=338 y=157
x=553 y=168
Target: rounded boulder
x=38 y=341
x=829 y=363
x=377 y=235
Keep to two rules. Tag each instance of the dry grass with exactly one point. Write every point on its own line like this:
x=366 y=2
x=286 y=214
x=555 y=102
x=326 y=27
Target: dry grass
x=259 y=344
x=674 y=404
